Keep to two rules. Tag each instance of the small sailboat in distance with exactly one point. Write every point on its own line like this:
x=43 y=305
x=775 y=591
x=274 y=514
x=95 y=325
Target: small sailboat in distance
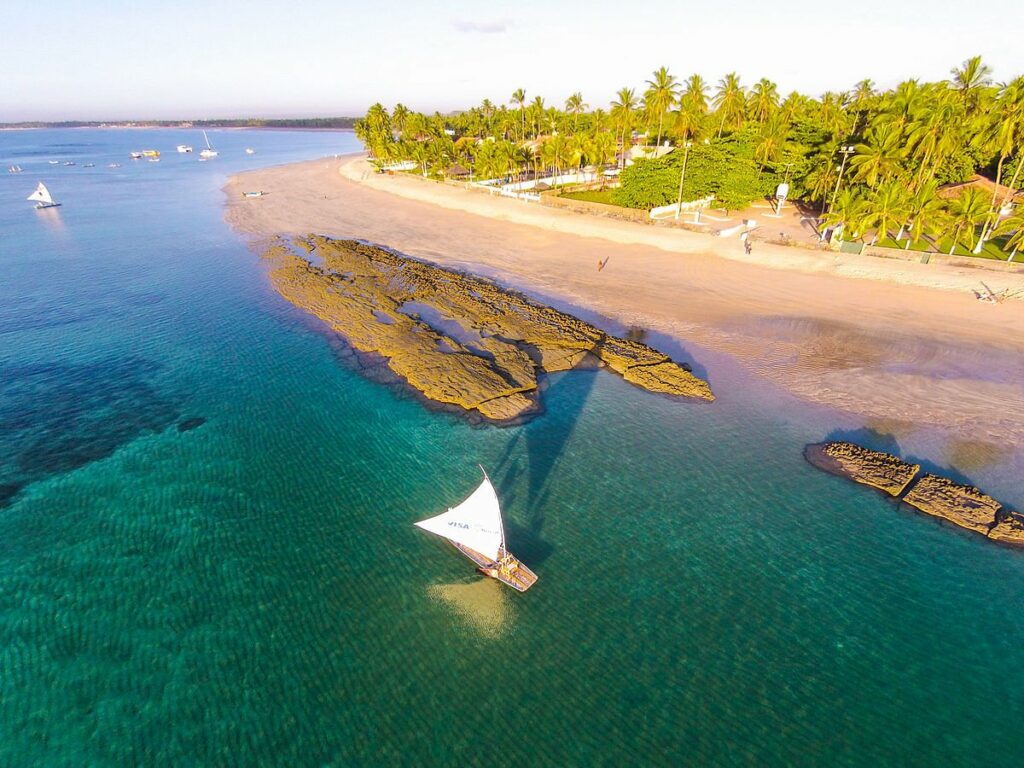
x=41 y=197
x=474 y=528
x=209 y=151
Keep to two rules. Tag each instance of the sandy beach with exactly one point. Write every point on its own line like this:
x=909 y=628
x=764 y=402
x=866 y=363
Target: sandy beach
x=900 y=344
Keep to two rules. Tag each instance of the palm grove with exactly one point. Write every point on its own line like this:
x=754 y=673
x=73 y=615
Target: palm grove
x=869 y=162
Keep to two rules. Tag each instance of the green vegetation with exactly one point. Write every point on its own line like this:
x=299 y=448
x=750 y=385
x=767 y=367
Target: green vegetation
x=871 y=163
x=603 y=196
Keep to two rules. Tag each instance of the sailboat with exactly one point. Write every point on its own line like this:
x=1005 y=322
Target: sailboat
x=474 y=528
x=209 y=151
x=42 y=198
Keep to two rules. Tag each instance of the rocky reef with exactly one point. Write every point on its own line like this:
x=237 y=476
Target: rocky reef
x=874 y=468
x=962 y=505
x=459 y=340
x=967 y=507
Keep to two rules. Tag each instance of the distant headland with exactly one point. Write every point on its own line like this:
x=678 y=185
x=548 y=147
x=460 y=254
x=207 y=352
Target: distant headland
x=303 y=123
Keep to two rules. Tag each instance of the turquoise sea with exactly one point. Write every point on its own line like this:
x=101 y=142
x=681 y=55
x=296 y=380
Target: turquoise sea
x=207 y=554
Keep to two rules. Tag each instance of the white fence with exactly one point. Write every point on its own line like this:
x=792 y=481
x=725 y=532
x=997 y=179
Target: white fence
x=405 y=165
x=676 y=208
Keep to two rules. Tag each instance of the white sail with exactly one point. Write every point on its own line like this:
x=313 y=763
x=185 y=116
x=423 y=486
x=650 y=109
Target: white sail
x=41 y=195
x=475 y=523
x=209 y=151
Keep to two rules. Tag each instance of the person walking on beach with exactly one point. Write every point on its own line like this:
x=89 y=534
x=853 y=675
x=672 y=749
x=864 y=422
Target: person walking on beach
x=744 y=238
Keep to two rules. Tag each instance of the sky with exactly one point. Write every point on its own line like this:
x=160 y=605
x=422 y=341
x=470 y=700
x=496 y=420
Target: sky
x=154 y=59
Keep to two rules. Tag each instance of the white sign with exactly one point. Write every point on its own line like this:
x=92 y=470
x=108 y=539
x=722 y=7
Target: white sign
x=781 y=191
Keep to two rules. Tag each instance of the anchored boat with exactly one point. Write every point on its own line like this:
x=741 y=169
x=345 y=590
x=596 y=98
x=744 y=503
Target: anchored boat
x=209 y=151
x=474 y=528
x=41 y=197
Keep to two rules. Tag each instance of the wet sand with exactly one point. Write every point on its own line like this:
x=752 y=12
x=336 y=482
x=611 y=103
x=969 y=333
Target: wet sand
x=896 y=343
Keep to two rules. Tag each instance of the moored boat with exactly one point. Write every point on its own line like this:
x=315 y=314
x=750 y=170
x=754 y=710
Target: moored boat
x=250 y=151
x=209 y=151
x=474 y=527
x=184 y=148
x=134 y=155
x=151 y=153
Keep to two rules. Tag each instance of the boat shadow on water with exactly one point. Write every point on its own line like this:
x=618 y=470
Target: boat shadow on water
x=532 y=456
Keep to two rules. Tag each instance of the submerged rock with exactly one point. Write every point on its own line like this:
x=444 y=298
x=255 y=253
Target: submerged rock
x=862 y=465
x=458 y=339
x=193 y=422
x=962 y=505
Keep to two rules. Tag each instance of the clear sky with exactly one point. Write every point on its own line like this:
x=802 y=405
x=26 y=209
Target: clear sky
x=117 y=59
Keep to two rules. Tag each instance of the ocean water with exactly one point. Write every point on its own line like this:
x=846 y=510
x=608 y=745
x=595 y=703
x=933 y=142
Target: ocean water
x=207 y=554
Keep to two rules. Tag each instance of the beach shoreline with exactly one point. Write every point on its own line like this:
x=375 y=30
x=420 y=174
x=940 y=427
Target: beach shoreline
x=878 y=341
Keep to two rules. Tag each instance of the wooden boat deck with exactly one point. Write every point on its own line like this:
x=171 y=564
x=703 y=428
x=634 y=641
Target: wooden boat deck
x=509 y=570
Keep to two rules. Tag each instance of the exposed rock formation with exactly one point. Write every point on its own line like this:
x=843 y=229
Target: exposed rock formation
x=967 y=507
x=457 y=339
x=879 y=470
x=962 y=505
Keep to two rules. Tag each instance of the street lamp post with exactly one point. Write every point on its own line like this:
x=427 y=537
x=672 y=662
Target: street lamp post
x=686 y=155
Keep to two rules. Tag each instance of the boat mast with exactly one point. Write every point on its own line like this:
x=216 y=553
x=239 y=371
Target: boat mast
x=501 y=521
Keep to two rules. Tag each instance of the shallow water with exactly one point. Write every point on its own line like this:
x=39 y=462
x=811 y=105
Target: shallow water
x=206 y=549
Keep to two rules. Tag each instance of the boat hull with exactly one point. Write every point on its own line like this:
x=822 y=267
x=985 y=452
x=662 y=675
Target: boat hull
x=509 y=570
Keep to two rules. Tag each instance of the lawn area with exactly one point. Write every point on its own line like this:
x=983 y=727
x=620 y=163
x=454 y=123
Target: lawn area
x=990 y=250
x=603 y=196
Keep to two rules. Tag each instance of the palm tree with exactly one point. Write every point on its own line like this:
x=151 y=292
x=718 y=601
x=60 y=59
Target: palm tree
x=623 y=109
x=847 y=211
x=794 y=105
x=966 y=212
x=970 y=79
x=1003 y=133
x=934 y=134
x=519 y=97
x=905 y=104
x=398 y=117
x=602 y=148
x=820 y=182
x=695 y=95
x=660 y=95
x=729 y=101
x=1014 y=227
x=833 y=116
x=924 y=213
x=878 y=158
x=770 y=141
x=764 y=98
x=579 y=147
x=574 y=106
x=884 y=209
x=536 y=114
